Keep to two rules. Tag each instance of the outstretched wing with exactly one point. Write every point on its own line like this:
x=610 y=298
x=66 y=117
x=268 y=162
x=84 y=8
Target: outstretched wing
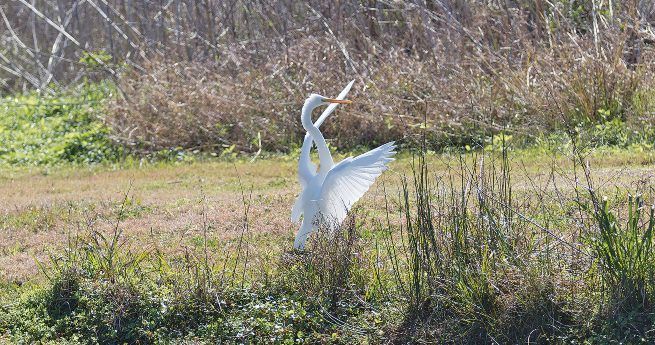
x=350 y=179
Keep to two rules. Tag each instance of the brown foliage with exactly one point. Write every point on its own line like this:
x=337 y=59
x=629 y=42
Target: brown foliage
x=208 y=74
x=202 y=106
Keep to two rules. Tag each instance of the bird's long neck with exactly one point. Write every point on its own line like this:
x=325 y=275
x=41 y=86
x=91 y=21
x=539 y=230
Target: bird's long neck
x=324 y=155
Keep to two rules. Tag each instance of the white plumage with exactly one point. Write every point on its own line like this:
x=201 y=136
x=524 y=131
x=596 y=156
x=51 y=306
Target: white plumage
x=347 y=181
x=331 y=191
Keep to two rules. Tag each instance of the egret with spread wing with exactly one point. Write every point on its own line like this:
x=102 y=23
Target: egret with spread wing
x=331 y=190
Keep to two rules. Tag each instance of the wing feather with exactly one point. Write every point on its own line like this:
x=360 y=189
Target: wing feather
x=349 y=180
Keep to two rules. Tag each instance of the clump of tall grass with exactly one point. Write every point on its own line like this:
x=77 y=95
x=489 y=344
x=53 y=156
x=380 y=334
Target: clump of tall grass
x=332 y=272
x=328 y=267
x=475 y=260
x=465 y=263
x=626 y=255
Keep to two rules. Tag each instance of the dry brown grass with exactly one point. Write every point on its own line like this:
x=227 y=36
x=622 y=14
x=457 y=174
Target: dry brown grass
x=229 y=75
x=200 y=106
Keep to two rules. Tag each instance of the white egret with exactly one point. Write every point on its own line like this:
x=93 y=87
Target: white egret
x=307 y=169
x=331 y=191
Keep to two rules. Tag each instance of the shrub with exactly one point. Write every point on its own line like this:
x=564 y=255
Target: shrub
x=208 y=107
x=67 y=127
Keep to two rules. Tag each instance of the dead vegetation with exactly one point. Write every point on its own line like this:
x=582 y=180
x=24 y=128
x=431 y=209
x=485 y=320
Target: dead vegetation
x=213 y=76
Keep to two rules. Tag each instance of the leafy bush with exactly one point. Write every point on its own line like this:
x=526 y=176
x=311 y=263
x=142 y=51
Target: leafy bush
x=37 y=129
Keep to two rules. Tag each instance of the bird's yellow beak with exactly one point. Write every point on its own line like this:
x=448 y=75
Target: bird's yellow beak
x=339 y=101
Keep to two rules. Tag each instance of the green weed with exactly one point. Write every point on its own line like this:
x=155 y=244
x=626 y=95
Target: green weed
x=66 y=128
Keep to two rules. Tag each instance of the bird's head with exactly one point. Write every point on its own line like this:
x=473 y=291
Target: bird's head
x=315 y=100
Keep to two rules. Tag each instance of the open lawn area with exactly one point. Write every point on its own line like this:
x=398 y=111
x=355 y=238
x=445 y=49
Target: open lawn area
x=170 y=207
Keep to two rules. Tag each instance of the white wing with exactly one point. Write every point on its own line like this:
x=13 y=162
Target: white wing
x=350 y=179
x=306 y=169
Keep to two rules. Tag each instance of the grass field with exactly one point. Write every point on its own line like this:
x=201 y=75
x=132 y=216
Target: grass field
x=60 y=224
x=168 y=204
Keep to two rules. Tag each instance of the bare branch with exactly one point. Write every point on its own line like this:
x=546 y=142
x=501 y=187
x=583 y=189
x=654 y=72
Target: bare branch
x=53 y=24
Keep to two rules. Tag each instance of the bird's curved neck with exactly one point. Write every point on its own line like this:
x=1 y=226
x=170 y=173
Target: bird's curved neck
x=323 y=152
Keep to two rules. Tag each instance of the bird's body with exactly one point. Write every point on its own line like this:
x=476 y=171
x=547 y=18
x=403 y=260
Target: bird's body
x=331 y=190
